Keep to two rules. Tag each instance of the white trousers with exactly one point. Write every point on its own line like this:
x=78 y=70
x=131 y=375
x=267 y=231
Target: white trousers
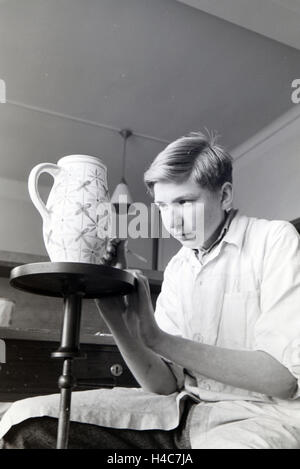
x=244 y=425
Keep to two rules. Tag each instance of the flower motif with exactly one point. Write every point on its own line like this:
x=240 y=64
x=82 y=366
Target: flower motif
x=81 y=233
x=97 y=176
x=83 y=208
x=92 y=250
x=96 y=198
x=103 y=225
x=62 y=197
x=92 y=226
x=83 y=186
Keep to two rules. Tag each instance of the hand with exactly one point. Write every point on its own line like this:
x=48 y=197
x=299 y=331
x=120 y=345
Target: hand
x=139 y=313
x=116 y=309
x=115 y=256
x=112 y=307
x=136 y=309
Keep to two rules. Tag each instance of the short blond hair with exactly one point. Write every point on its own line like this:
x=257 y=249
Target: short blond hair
x=195 y=155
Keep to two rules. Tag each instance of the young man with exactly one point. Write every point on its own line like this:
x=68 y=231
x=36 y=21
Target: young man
x=219 y=362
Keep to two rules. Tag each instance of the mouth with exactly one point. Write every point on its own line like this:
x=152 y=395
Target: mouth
x=184 y=236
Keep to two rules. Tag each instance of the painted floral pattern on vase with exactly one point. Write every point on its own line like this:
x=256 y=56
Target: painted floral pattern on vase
x=71 y=217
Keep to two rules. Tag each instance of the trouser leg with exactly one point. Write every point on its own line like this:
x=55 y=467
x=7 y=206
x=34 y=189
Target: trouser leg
x=41 y=432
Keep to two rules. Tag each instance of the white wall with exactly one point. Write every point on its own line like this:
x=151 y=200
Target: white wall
x=21 y=225
x=267 y=170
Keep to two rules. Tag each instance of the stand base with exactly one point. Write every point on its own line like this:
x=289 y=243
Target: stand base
x=72 y=282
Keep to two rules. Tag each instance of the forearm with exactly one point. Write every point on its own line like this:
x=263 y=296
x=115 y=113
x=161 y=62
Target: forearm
x=148 y=368
x=252 y=370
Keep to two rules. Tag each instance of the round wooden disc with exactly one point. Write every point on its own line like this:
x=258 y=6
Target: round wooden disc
x=59 y=279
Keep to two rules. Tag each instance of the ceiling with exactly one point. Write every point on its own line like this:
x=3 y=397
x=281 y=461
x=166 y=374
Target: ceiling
x=159 y=67
x=276 y=19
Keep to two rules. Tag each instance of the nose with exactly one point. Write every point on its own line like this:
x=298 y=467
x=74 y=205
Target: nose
x=176 y=221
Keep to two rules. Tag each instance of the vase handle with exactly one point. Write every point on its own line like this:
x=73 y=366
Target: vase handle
x=33 y=180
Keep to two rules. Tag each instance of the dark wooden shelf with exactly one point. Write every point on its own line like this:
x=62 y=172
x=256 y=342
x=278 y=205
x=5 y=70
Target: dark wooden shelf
x=26 y=368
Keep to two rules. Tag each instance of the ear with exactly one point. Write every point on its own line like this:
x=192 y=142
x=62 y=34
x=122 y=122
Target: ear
x=227 y=196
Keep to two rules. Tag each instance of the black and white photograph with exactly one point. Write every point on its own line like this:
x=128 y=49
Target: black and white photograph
x=150 y=227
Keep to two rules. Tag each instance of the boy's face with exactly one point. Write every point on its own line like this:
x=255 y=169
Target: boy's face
x=189 y=213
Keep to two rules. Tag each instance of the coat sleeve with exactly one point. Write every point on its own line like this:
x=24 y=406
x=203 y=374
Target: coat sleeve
x=277 y=331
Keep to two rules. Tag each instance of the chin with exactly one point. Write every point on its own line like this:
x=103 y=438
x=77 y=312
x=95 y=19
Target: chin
x=192 y=242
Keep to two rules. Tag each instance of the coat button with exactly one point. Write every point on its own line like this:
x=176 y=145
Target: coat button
x=198 y=337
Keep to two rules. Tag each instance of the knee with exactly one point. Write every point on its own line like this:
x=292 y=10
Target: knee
x=33 y=433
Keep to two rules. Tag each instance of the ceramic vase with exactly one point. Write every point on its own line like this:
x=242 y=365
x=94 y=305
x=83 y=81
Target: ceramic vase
x=73 y=230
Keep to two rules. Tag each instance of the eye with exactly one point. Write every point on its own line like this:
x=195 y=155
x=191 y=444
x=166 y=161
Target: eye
x=185 y=202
